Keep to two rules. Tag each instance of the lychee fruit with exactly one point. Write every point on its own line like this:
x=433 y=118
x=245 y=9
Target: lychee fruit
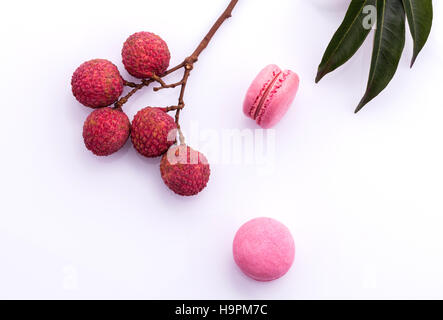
x=97 y=83
x=184 y=170
x=106 y=131
x=145 y=54
x=153 y=132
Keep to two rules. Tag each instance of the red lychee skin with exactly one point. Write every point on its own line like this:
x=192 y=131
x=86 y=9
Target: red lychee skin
x=184 y=170
x=145 y=54
x=97 y=83
x=153 y=132
x=106 y=131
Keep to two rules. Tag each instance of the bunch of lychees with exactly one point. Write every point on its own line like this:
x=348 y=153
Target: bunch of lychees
x=98 y=84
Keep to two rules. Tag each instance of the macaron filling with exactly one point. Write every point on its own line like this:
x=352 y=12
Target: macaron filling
x=272 y=73
x=265 y=96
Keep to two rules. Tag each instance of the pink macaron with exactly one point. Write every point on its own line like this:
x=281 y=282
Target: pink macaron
x=270 y=95
x=264 y=249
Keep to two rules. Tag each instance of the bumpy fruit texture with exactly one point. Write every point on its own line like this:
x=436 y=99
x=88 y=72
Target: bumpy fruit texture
x=184 y=170
x=97 y=83
x=153 y=132
x=145 y=54
x=106 y=131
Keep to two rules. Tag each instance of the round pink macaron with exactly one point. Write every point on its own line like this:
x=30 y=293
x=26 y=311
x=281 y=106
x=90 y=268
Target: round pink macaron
x=270 y=95
x=264 y=249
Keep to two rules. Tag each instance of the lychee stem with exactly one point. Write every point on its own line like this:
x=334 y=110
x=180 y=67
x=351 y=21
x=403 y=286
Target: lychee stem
x=225 y=15
x=187 y=64
x=136 y=87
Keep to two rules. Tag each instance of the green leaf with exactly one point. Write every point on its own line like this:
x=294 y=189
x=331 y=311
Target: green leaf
x=420 y=14
x=389 y=43
x=347 y=39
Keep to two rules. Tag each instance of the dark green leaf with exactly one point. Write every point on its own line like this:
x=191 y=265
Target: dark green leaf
x=420 y=15
x=347 y=39
x=389 y=43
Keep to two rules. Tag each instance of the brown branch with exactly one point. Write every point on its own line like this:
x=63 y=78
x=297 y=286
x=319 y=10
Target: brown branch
x=129 y=84
x=172 y=70
x=177 y=121
x=225 y=15
x=187 y=64
x=168 y=86
x=135 y=87
x=173 y=108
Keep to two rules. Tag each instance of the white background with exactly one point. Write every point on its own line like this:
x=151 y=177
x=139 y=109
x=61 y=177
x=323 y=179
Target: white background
x=362 y=194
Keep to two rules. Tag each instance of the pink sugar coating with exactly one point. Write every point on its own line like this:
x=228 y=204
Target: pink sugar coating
x=264 y=249
x=267 y=105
